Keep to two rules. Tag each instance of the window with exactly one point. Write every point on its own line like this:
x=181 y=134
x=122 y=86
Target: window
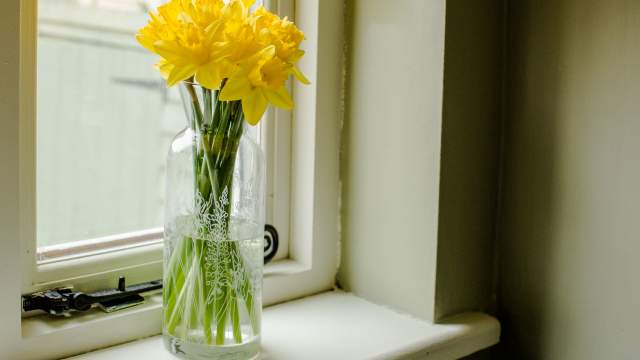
x=105 y=120
x=304 y=181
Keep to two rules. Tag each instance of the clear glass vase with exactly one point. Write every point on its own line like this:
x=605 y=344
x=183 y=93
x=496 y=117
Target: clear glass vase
x=214 y=233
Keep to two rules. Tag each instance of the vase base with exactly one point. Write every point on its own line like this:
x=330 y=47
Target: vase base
x=249 y=350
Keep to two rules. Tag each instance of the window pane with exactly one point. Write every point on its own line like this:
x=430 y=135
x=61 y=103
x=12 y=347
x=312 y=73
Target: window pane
x=105 y=121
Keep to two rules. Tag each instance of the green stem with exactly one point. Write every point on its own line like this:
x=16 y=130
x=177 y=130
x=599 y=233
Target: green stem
x=218 y=131
x=175 y=273
x=235 y=319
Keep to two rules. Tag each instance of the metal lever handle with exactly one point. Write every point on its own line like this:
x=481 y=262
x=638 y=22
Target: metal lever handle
x=63 y=300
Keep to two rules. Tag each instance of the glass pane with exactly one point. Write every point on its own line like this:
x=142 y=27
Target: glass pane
x=104 y=120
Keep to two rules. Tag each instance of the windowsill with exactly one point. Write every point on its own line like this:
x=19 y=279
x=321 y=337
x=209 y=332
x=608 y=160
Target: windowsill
x=337 y=325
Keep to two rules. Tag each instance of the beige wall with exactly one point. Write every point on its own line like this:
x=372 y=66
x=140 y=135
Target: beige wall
x=571 y=217
x=10 y=185
x=391 y=154
x=420 y=153
x=469 y=163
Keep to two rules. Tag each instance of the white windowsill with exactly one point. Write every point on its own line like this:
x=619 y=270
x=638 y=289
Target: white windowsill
x=338 y=325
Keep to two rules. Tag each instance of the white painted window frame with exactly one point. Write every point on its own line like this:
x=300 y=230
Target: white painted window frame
x=313 y=228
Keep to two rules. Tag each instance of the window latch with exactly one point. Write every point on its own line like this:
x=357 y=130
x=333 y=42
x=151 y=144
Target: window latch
x=62 y=301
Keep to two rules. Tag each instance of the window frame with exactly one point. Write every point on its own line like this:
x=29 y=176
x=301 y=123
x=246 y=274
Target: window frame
x=314 y=199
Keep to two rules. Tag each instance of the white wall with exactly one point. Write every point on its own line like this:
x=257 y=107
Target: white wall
x=391 y=154
x=570 y=235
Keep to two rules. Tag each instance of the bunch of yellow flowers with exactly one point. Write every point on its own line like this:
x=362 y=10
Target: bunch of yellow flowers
x=248 y=56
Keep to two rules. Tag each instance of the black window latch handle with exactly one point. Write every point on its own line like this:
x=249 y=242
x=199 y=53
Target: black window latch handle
x=62 y=301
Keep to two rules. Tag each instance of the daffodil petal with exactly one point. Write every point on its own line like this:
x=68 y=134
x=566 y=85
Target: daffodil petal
x=248 y=3
x=235 y=89
x=185 y=17
x=264 y=54
x=279 y=98
x=171 y=51
x=208 y=76
x=299 y=75
x=179 y=73
x=212 y=30
x=147 y=43
x=253 y=106
x=236 y=9
x=164 y=67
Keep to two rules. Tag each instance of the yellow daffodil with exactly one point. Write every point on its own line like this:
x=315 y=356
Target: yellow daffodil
x=162 y=25
x=193 y=53
x=284 y=35
x=213 y=40
x=188 y=35
x=261 y=81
